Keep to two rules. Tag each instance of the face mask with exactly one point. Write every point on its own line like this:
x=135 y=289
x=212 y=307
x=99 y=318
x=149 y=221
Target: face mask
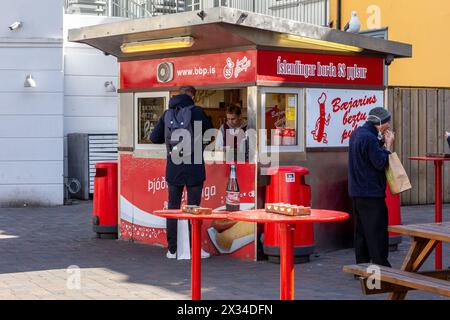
x=380 y=135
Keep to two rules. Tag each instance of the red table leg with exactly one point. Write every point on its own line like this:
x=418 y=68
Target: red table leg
x=286 y=261
x=438 y=208
x=196 y=267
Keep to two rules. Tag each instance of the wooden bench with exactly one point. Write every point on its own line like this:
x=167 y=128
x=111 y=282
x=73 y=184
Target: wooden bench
x=399 y=282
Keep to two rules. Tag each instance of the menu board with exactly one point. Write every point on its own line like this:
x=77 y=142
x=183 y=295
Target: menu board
x=150 y=109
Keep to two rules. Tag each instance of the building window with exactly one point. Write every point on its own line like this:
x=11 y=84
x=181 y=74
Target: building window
x=192 y=5
x=283 y=119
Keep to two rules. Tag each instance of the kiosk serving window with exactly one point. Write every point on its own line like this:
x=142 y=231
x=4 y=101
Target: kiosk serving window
x=149 y=108
x=282 y=119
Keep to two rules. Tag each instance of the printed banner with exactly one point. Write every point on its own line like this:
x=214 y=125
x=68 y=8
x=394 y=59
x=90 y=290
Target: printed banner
x=206 y=69
x=333 y=115
x=282 y=66
x=143 y=189
x=250 y=66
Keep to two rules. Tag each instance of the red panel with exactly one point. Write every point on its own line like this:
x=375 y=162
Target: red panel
x=249 y=66
x=139 y=177
x=207 y=69
x=292 y=67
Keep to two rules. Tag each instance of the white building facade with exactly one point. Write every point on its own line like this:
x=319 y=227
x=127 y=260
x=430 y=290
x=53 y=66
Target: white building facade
x=69 y=96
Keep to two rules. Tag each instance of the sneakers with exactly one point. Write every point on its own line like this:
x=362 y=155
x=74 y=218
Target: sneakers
x=170 y=255
x=205 y=255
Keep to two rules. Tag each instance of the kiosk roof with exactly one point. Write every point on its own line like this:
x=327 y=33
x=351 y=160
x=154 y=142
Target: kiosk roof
x=222 y=28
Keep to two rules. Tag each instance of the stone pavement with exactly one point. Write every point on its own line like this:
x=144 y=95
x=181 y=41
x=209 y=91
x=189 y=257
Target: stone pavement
x=37 y=245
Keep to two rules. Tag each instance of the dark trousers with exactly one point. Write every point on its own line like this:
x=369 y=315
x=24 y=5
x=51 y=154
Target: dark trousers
x=194 y=196
x=371 y=231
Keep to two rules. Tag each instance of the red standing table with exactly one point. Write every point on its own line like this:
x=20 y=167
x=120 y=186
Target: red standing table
x=287 y=228
x=438 y=200
x=196 y=235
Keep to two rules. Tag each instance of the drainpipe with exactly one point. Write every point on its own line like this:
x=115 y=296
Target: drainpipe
x=339 y=14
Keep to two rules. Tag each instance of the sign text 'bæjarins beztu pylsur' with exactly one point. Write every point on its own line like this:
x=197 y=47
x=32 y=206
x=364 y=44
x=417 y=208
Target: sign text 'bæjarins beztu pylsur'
x=332 y=115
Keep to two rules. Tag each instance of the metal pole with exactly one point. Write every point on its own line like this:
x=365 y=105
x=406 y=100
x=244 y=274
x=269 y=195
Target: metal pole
x=196 y=267
x=286 y=261
x=339 y=13
x=438 y=208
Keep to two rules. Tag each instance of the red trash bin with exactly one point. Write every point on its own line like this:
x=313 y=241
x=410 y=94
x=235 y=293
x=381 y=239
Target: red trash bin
x=287 y=184
x=394 y=218
x=105 y=211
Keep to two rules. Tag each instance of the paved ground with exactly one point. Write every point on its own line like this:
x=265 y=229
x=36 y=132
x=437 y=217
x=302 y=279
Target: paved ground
x=37 y=245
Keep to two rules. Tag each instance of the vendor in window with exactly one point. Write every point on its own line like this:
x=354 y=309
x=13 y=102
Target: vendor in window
x=232 y=133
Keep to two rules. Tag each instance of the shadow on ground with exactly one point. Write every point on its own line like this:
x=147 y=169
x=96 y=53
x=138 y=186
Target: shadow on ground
x=46 y=239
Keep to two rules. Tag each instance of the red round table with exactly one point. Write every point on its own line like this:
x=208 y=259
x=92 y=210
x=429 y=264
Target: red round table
x=196 y=222
x=438 y=200
x=287 y=228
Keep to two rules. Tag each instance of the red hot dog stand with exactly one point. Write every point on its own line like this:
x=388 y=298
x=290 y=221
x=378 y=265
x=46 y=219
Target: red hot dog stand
x=303 y=89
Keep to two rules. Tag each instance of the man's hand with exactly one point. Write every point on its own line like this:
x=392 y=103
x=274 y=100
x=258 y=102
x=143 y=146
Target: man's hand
x=447 y=134
x=389 y=138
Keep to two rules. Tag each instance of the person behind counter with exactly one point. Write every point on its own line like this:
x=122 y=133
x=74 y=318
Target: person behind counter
x=232 y=132
x=178 y=175
x=369 y=151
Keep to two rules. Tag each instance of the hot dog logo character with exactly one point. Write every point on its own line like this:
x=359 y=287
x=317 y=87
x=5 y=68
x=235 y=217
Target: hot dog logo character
x=235 y=69
x=319 y=133
x=228 y=70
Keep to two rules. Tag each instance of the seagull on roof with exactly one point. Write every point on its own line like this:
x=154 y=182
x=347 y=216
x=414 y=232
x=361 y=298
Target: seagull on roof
x=353 y=25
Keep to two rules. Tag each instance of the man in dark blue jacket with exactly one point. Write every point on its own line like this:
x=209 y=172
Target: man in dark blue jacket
x=192 y=175
x=368 y=157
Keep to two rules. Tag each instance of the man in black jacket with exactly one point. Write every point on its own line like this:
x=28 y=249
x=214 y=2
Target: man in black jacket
x=368 y=157
x=192 y=175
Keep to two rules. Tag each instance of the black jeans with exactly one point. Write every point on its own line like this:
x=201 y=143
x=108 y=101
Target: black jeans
x=194 y=196
x=371 y=231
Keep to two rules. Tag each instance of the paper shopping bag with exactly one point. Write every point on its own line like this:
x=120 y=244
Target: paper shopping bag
x=396 y=175
x=183 y=246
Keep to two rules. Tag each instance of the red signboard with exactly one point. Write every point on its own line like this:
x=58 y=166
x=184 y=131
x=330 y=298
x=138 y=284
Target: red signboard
x=281 y=66
x=206 y=69
x=250 y=66
x=143 y=189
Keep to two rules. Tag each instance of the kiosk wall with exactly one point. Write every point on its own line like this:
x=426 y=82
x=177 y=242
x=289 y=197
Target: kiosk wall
x=303 y=107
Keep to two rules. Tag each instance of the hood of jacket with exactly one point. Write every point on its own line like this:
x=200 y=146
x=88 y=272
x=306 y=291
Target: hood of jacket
x=180 y=101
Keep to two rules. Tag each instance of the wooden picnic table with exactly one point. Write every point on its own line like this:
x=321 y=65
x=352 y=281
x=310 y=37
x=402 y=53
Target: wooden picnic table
x=425 y=238
x=438 y=161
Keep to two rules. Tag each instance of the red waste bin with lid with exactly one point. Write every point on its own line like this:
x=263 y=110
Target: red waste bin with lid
x=287 y=184
x=394 y=218
x=105 y=212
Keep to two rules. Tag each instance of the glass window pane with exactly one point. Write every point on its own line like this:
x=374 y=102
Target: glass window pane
x=281 y=119
x=149 y=112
